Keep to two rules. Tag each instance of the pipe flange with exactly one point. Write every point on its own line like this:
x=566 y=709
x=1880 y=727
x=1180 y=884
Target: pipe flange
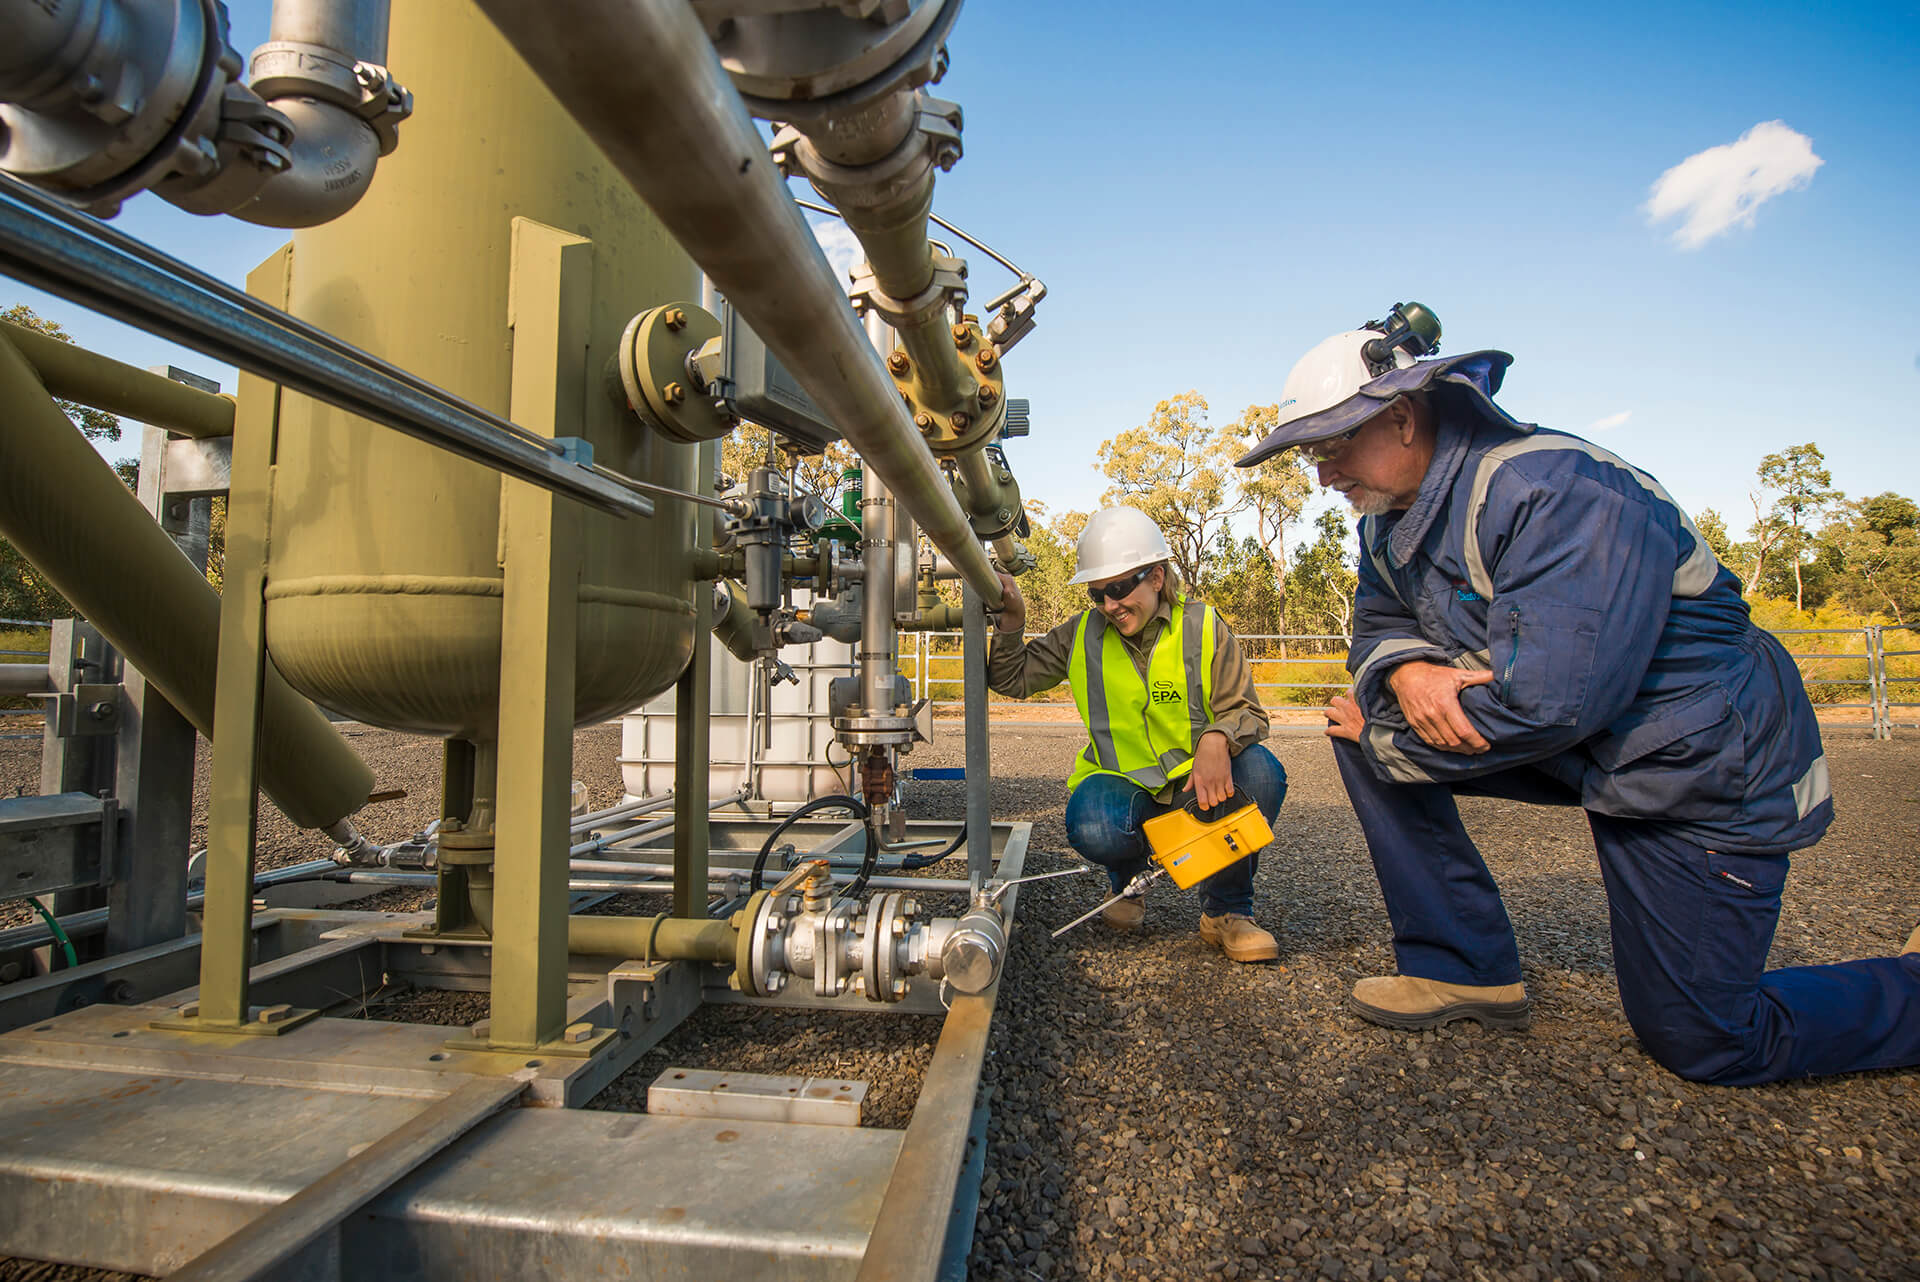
x=811 y=65
x=658 y=377
x=762 y=947
x=871 y=938
x=139 y=101
x=461 y=848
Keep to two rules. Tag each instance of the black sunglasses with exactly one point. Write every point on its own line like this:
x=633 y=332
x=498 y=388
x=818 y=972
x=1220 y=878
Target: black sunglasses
x=1119 y=588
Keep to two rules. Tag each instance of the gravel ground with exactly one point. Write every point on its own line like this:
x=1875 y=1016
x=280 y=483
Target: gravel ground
x=1160 y=1112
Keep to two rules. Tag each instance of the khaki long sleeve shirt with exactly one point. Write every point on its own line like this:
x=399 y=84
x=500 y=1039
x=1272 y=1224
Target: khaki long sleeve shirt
x=1018 y=668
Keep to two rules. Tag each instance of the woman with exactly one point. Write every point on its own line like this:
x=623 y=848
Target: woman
x=1169 y=706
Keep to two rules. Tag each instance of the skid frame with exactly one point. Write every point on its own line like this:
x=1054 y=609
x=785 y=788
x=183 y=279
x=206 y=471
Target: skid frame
x=129 y=1146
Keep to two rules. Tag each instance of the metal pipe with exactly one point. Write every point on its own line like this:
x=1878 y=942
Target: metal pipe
x=879 y=637
x=354 y=27
x=639 y=806
x=68 y=513
x=663 y=936
x=42 y=244
x=75 y=374
x=643 y=880
x=323 y=68
x=25 y=678
x=641 y=79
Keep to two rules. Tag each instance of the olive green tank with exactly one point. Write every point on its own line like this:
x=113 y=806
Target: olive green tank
x=384 y=572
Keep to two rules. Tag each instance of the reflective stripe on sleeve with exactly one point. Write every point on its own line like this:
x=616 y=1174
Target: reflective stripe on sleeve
x=1694 y=575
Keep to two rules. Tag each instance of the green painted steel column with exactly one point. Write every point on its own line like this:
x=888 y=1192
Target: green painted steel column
x=552 y=279
x=692 y=704
x=226 y=949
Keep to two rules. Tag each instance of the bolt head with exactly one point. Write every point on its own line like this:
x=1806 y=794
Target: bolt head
x=101 y=710
x=577 y=1033
x=674 y=393
x=962 y=336
x=676 y=319
x=897 y=362
x=960 y=420
x=986 y=359
x=988 y=394
x=923 y=420
x=274 y=1014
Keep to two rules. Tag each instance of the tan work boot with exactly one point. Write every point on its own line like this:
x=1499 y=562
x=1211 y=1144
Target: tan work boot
x=1125 y=914
x=1237 y=935
x=1403 y=1001
x=1913 y=943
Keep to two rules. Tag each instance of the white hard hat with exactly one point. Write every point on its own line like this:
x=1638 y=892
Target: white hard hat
x=1116 y=540
x=1331 y=375
x=1348 y=378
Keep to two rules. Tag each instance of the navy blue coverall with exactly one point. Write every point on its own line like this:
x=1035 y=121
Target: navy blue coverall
x=1627 y=679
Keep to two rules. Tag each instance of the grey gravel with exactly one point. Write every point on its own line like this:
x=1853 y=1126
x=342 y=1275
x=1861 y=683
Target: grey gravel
x=1159 y=1112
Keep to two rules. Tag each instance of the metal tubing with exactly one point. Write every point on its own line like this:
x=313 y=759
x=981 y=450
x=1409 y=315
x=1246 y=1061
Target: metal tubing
x=70 y=515
x=357 y=28
x=76 y=374
x=40 y=245
x=640 y=883
x=979 y=767
x=639 y=806
x=25 y=678
x=641 y=79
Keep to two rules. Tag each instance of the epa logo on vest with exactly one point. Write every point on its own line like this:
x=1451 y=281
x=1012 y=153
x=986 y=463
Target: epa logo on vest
x=1168 y=692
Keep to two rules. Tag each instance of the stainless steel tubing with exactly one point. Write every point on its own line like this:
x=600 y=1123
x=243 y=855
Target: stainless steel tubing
x=646 y=879
x=641 y=79
x=647 y=829
x=355 y=27
x=639 y=806
x=45 y=245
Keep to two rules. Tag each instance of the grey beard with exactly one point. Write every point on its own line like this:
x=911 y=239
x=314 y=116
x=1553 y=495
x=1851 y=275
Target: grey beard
x=1367 y=502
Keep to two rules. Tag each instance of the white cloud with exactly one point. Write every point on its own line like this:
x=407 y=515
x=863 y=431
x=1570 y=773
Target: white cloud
x=1610 y=422
x=1717 y=189
x=842 y=249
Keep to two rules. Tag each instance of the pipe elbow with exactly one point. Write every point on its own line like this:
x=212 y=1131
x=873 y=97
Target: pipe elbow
x=333 y=155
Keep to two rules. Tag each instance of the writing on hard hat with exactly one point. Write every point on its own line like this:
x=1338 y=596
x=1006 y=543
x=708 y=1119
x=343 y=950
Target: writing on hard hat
x=1327 y=390
x=1116 y=540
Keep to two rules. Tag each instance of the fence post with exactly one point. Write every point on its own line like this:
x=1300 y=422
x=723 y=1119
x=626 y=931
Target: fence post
x=1877 y=667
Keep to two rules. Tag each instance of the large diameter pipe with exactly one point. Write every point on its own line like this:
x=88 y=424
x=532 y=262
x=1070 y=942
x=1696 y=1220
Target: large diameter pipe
x=76 y=374
x=664 y=936
x=641 y=79
x=70 y=515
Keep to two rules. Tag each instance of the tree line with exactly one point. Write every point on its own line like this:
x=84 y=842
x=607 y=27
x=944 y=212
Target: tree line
x=1809 y=547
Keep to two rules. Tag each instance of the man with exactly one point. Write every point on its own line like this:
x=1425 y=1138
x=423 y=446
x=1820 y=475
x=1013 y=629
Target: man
x=1538 y=620
x=1169 y=705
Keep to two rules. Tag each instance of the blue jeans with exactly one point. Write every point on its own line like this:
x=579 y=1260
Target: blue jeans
x=1105 y=812
x=1691 y=930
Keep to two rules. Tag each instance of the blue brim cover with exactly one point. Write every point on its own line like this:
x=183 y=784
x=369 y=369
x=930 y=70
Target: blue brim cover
x=1471 y=379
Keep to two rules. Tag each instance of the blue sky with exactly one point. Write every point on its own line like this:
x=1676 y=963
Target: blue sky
x=1209 y=190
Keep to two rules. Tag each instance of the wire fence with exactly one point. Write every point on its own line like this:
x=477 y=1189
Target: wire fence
x=1861 y=677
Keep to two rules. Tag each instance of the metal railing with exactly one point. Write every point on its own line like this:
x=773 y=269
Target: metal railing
x=932 y=667
x=30 y=708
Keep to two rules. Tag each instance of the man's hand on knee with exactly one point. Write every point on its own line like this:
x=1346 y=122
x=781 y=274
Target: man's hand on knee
x=1429 y=695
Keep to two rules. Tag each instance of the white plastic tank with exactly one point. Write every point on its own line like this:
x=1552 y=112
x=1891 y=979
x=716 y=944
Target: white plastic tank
x=784 y=760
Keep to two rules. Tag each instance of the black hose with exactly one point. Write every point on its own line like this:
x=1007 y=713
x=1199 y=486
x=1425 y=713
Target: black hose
x=913 y=863
x=841 y=800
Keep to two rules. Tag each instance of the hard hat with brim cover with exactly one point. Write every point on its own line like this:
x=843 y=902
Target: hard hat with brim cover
x=1470 y=379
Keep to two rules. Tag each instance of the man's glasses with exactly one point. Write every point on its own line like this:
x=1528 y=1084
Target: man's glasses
x=1119 y=588
x=1330 y=449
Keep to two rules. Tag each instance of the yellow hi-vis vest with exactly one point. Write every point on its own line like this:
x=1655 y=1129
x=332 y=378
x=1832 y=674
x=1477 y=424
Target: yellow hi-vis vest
x=1142 y=730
